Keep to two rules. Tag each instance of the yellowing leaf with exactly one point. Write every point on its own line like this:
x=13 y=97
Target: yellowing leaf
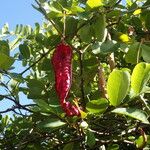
x=83 y=114
x=124 y=38
x=137 y=12
x=94 y=3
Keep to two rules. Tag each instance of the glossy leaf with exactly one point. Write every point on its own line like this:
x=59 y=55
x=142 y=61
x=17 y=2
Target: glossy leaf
x=140 y=76
x=5 y=61
x=109 y=46
x=90 y=138
x=69 y=146
x=97 y=106
x=4 y=47
x=146 y=53
x=99 y=27
x=117 y=86
x=133 y=113
x=71 y=26
x=94 y=3
x=35 y=88
x=51 y=123
x=43 y=105
x=24 y=50
x=132 y=54
x=86 y=33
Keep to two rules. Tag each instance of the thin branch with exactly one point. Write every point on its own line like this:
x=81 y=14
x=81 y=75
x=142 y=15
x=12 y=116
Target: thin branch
x=15 y=107
x=17 y=103
x=145 y=104
x=81 y=78
x=64 y=29
x=117 y=3
x=132 y=10
x=45 y=14
x=36 y=62
x=139 y=50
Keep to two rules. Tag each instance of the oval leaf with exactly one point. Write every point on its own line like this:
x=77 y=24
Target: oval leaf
x=5 y=61
x=117 y=86
x=146 y=53
x=132 y=112
x=51 y=123
x=90 y=139
x=131 y=56
x=97 y=106
x=139 y=78
x=99 y=26
x=69 y=146
x=94 y=3
x=24 y=50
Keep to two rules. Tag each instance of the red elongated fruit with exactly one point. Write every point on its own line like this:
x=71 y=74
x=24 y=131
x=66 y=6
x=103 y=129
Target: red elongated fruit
x=62 y=64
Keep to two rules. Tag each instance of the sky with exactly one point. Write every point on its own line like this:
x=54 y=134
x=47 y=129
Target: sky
x=16 y=12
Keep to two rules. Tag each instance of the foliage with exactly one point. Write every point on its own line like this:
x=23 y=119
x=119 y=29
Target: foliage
x=111 y=72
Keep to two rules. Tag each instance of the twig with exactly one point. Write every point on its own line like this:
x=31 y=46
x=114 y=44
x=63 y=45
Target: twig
x=36 y=61
x=132 y=10
x=139 y=50
x=15 y=107
x=81 y=78
x=117 y=3
x=64 y=29
x=17 y=103
x=145 y=103
x=45 y=14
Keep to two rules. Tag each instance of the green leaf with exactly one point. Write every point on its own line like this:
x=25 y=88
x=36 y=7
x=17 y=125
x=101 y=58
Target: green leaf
x=69 y=146
x=71 y=26
x=56 y=10
x=140 y=142
x=36 y=88
x=43 y=105
x=90 y=139
x=54 y=14
x=76 y=9
x=133 y=113
x=109 y=47
x=97 y=106
x=24 y=50
x=139 y=78
x=46 y=65
x=37 y=28
x=105 y=47
x=86 y=33
x=94 y=3
x=136 y=23
x=113 y=147
x=117 y=86
x=147 y=20
x=5 y=61
x=51 y=123
x=4 y=47
x=114 y=13
x=99 y=26
x=146 y=53
x=5 y=29
x=132 y=54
